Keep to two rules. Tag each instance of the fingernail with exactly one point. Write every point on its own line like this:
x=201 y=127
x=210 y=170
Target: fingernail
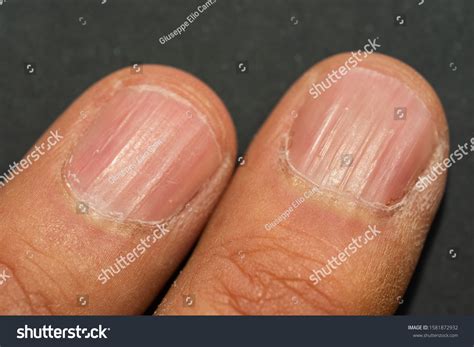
x=368 y=135
x=147 y=154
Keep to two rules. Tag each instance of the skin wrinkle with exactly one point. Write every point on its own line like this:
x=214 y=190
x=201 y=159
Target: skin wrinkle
x=25 y=294
x=337 y=250
x=45 y=256
x=48 y=303
x=252 y=269
x=238 y=298
x=285 y=282
x=270 y=303
x=234 y=294
x=53 y=261
x=233 y=300
x=51 y=276
x=263 y=249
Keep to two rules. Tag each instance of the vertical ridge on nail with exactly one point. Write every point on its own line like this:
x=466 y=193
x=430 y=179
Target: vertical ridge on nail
x=147 y=154
x=351 y=140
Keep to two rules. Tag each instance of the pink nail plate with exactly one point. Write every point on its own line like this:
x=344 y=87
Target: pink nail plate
x=368 y=135
x=147 y=154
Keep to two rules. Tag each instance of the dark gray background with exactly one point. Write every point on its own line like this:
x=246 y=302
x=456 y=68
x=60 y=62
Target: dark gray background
x=69 y=57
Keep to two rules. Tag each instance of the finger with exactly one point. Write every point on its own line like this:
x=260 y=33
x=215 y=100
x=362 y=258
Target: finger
x=325 y=217
x=100 y=212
